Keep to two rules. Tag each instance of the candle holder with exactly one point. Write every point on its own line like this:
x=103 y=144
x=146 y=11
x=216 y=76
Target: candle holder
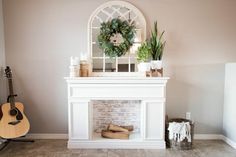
x=84 y=69
x=157 y=72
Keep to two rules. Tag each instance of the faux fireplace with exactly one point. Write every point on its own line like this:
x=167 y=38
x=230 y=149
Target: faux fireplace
x=116 y=112
x=86 y=95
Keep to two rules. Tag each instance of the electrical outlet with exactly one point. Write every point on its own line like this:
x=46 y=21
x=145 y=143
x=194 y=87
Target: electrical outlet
x=188 y=115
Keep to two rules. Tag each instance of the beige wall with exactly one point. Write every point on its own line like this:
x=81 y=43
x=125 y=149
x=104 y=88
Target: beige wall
x=2 y=59
x=41 y=35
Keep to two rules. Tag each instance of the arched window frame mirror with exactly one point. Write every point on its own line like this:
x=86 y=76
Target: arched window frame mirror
x=103 y=13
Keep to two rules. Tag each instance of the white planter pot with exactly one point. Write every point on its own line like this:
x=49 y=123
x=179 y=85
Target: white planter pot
x=156 y=64
x=144 y=66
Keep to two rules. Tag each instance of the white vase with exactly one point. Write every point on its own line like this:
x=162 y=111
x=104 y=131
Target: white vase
x=156 y=64
x=144 y=66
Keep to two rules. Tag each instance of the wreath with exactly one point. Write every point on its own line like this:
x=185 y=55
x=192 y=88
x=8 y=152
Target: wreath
x=116 y=37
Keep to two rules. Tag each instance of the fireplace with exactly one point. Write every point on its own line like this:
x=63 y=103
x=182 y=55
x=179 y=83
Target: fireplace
x=117 y=112
x=96 y=101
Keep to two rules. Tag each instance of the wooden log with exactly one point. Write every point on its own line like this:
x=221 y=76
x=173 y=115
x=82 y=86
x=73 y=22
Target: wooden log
x=115 y=135
x=116 y=128
x=128 y=127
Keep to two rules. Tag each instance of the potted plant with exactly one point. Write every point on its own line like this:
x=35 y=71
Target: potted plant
x=156 y=46
x=143 y=56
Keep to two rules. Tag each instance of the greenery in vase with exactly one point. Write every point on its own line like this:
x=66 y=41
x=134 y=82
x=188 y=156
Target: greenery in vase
x=143 y=53
x=156 y=44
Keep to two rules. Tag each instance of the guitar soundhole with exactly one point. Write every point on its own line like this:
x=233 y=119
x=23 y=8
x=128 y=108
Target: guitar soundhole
x=13 y=112
x=17 y=113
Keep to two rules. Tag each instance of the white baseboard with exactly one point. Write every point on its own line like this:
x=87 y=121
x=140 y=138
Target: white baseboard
x=65 y=136
x=46 y=136
x=208 y=137
x=120 y=144
x=229 y=142
x=215 y=137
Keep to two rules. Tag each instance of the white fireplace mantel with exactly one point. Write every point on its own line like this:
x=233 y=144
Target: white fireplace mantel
x=151 y=91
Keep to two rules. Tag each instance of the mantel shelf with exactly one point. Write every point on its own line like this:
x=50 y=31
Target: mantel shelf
x=118 y=80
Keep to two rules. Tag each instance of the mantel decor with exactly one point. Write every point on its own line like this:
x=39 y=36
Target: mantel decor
x=157 y=46
x=112 y=28
x=116 y=37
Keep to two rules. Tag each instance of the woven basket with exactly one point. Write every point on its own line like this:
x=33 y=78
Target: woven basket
x=183 y=145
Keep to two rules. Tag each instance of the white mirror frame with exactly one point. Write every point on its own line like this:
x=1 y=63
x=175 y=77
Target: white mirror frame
x=101 y=8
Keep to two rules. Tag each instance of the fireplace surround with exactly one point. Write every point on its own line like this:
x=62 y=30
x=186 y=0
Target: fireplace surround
x=150 y=92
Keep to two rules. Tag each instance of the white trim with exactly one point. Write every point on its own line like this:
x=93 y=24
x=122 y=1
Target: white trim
x=116 y=145
x=46 y=136
x=215 y=137
x=208 y=137
x=229 y=142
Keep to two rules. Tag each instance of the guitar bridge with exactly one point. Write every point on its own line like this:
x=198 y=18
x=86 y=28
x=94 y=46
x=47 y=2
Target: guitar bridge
x=14 y=122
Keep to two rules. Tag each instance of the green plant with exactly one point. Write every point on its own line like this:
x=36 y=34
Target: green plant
x=143 y=53
x=156 y=44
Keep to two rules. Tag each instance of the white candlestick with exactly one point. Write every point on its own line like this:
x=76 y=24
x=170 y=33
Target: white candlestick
x=74 y=61
x=83 y=57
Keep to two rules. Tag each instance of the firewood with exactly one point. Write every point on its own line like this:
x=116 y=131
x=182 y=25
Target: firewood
x=128 y=127
x=115 y=135
x=116 y=128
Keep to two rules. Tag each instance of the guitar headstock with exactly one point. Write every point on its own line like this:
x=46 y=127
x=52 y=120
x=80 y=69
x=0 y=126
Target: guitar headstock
x=8 y=72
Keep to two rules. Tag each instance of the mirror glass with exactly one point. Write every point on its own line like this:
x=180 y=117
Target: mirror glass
x=128 y=62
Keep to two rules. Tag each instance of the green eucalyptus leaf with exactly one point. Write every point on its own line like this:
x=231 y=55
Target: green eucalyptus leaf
x=112 y=27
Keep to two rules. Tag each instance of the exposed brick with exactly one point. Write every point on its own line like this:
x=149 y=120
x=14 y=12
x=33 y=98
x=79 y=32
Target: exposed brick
x=120 y=112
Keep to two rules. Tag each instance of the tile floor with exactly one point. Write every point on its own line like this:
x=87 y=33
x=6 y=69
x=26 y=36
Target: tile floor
x=57 y=148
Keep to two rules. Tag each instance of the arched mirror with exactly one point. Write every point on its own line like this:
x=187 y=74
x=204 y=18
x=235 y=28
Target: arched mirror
x=102 y=65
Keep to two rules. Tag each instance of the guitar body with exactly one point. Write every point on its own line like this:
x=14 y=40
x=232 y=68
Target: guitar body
x=10 y=127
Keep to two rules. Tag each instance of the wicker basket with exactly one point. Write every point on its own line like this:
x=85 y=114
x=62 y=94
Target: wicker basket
x=183 y=145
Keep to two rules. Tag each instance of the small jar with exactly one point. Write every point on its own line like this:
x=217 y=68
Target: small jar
x=84 y=69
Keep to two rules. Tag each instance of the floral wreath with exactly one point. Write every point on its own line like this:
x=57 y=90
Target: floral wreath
x=116 y=37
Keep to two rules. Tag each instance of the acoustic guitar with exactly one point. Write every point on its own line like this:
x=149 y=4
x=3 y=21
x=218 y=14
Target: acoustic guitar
x=13 y=123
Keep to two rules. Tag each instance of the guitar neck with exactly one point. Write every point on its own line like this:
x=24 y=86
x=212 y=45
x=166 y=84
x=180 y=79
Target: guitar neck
x=11 y=92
